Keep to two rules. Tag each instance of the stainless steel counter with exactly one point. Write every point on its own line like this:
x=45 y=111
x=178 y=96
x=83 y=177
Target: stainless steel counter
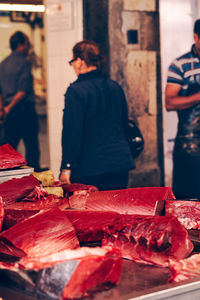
x=138 y=281
x=145 y=282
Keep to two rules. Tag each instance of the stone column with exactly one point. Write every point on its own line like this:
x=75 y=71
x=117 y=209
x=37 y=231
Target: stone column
x=128 y=31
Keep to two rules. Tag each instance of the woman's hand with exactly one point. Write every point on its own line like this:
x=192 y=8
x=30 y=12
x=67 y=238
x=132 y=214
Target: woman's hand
x=6 y=110
x=65 y=177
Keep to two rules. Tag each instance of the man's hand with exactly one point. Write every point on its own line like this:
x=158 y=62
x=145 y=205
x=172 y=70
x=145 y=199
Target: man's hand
x=19 y=96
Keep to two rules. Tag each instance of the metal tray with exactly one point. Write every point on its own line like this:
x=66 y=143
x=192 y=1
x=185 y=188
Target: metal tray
x=15 y=173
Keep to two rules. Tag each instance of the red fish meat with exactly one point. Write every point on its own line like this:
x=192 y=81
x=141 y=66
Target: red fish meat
x=15 y=189
x=126 y=201
x=47 y=261
x=1 y=213
x=149 y=239
x=18 y=211
x=185 y=268
x=71 y=274
x=92 y=274
x=42 y=234
x=69 y=189
x=90 y=226
x=10 y=158
x=187 y=212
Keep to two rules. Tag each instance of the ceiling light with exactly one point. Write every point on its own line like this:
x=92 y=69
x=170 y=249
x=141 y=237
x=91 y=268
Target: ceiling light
x=21 y=7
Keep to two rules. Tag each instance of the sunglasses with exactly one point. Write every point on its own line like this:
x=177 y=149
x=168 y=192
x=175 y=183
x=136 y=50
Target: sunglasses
x=71 y=61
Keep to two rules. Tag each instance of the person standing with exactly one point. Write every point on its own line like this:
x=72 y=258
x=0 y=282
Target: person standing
x=17 y=110
x=94 y=148
x=182 y=94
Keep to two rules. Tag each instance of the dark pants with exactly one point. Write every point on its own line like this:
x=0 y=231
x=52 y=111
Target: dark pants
x=110 y=181
x=23 y=124
x=186 y=169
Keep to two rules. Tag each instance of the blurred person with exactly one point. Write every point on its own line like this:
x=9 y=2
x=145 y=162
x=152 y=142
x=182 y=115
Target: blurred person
x=17 y=107
x=94 y=148
x=182 y=94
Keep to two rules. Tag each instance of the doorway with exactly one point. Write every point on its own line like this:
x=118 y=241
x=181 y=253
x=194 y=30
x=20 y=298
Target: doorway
x=176 y=30
x=31 y=23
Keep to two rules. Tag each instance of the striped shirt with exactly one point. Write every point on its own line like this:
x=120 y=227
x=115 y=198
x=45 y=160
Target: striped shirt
x=185 y=71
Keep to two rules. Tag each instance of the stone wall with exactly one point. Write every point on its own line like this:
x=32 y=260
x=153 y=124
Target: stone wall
x=133 y=49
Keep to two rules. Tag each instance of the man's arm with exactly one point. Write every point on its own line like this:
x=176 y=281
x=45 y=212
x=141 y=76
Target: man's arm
x=175 y=102
x=16 y=99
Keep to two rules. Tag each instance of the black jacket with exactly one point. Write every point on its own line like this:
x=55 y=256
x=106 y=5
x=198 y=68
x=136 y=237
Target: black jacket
x=94 y=121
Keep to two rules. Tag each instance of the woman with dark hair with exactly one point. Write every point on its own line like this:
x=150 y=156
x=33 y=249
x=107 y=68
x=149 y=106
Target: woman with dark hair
x=94 y=148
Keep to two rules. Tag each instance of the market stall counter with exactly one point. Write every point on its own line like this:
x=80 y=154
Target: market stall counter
x=138 y=281
x=94 y=235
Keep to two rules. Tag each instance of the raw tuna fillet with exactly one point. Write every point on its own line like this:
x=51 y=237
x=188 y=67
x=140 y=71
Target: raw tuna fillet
x=69 y=189
x=1 y=213
x=92 y=274
x=37 y=193
x=149 y=239
x=90 y=226
x=10 y=158
x=185 y=268
x=187 y=212
x=42 y=234
x=47 y=261
x=79 y=274
x=17 y=212
x=15 y=189
x=14 y=216
x=8 y=252
x=128 y=201
x=78 y=199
